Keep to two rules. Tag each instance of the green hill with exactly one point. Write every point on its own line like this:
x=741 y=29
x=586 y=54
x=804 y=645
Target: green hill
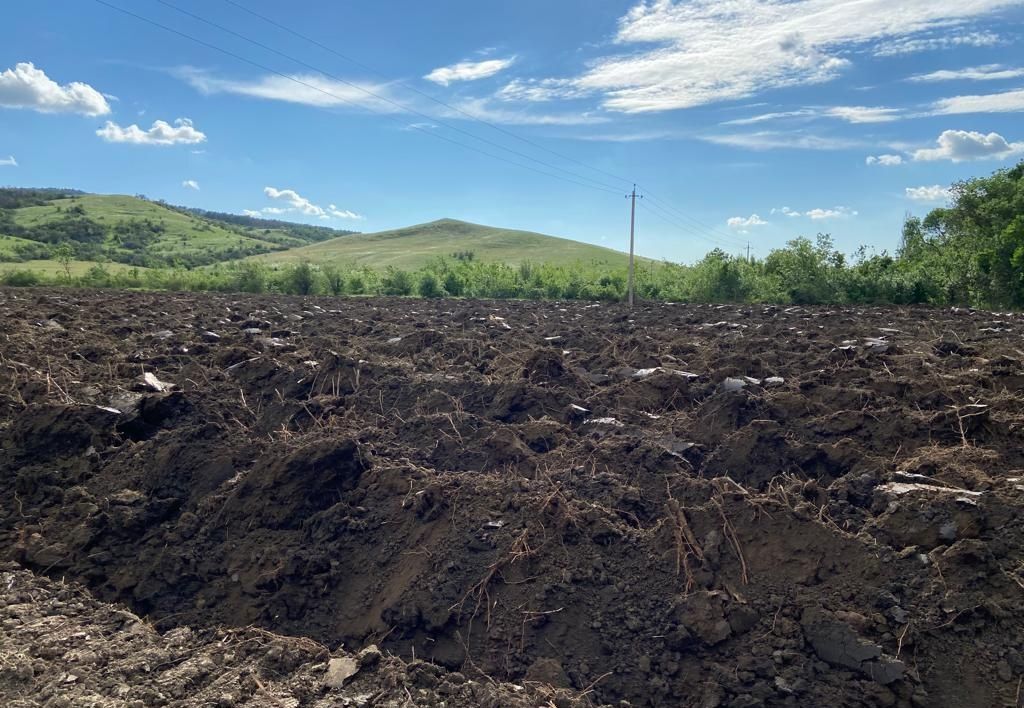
x=414 y=246
x=134 y=231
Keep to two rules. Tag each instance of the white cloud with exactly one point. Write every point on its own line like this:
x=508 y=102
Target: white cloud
x=684 y=53
x=25 y=86
x=162 y=133
x=298 y=203
x=1006 y=102
x=311 y=90
x=469 y=71
x=864 y=114
x=935 y=193
x=8 y=161
x=295 y=201
x=884 y=160
x=190 y=184
x=801 y=113
x=540 y=90
x=741 y=223
x=963 y=146
x=251 y=213
x=482 y=108
x=988 y=72
x=839 y=212
x=776 y=140
x=342 y=213
x=787 y=212
x=932 y=42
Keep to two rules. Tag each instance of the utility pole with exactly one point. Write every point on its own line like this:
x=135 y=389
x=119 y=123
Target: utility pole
x=632 y=231
x=748 y=251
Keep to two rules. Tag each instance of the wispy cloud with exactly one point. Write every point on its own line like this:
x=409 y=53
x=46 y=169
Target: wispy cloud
x=484 y=108
x=304 y=89
x=190 y=184
x=1005 y=102
x=25 y=86
x=839 y=212
x=965 y=146
x=778 y=115
x=162 y=133
x=8 y=161
x=469 y=71
x=934 y=193
x=864 y=114
x=786 y=211
x=689 y=53
x=779 y=140
x=988 y=72
x=935 y=42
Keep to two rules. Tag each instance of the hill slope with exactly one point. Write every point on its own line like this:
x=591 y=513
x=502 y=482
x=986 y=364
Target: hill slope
x=414 y=246
x=136 y=231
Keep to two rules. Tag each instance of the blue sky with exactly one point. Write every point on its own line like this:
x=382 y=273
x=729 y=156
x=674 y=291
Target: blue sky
x=742 y=120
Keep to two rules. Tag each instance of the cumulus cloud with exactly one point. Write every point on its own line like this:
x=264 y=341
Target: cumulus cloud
x=839 y=212
x=934 y=193
x=684 y=53
x=25 y=86
x=8 y=161
x=469 y=71
x=988 y=72
x=963 y=146
x=1005 y=102
x=162 y=133
x=297 y=203
x=743 y=223
x=304 y=89
x=884 y=160
x=251 y=213
x=190 y=184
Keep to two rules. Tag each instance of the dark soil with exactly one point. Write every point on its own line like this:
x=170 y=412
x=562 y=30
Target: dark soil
x=685 y=505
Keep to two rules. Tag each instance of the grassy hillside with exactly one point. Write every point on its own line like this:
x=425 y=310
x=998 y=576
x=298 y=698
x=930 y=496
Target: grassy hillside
x=135 y=231
x=415 y=246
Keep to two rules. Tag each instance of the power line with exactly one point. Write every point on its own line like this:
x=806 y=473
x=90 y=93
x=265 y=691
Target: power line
x=659 y=211
x=381 y=97
x=468 y=114
x=686 y=217
x=689 y=230
x=341 y=99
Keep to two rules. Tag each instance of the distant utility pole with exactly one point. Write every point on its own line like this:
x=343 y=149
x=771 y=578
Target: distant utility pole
x=748 y=251
x=632 y=231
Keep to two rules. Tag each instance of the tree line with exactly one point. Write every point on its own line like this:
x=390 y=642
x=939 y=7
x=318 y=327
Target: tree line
x=968 y=253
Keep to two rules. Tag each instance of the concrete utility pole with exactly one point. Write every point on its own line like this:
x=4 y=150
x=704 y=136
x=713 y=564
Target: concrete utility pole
x=632 y=231
x=748 y=251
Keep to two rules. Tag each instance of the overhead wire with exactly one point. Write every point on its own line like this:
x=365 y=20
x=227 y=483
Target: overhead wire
x=428 y=96
x=656 y=206
x=689 y=230
x=342 y=99
x=686 y=217
x=380 y=97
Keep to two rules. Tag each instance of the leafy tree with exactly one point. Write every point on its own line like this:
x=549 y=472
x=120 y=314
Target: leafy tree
x=64 y=254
